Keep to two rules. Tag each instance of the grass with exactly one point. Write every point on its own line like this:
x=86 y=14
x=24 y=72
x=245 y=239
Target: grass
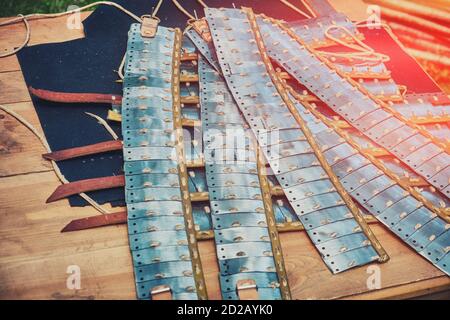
x=10 y=8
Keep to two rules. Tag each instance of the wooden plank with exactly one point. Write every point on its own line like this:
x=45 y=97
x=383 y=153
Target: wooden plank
x=31 y=243
x=105 y=274
x=10 y=63
x=42 y=31
x=13 y=88
x=309 y=277
x=407 y=291
x=20 y=150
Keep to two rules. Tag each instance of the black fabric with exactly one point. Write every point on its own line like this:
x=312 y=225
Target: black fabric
x=87 y=65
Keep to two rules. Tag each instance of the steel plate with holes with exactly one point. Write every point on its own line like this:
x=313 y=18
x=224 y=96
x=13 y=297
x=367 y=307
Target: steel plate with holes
x=341 y=96
x=389 y=202
x=156 y=224
x=253 y=264
x=238 y=215
x=286 y=164
x=314 y=29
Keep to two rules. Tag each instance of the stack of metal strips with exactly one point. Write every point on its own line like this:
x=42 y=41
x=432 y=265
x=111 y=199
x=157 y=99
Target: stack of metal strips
x=319 y=32
x=313 y=30
x=242 y=231
x=372 y=76
x=411 y=145
x=416 y=225
x=285 y=216
x=160 y=224
x=402 y=210
x=431 y=151
x=301 y=168
x=431 y=111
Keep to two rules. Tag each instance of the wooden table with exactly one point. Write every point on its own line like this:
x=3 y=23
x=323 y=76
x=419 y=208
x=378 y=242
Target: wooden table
x=34 y=255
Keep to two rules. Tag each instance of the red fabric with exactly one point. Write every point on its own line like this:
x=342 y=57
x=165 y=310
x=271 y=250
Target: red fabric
x=404 y=69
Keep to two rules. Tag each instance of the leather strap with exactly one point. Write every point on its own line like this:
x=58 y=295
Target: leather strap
x=72 y=188
x=149 y=26
x=100 y=147
x=96 y=221
x=67 y=97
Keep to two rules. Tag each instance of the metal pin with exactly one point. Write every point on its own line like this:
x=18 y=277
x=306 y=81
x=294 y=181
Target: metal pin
x=268 y=253
x=262 y=224
x=154 y=244
x=187 y=273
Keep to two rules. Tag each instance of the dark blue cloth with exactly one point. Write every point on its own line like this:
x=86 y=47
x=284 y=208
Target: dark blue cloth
x=87 y=65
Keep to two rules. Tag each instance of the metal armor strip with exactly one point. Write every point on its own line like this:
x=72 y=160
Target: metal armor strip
x=314 y=29
x=172 y=260
x=238 y=243
x=328 y=140
x=261 y=98
x=430 y=113
x=401 y=208
x=364 y=70
x=317 y=33
x=415 y=147
x=381 y=85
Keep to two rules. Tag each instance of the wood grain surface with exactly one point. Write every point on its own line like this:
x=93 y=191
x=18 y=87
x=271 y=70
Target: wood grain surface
x=34 y=255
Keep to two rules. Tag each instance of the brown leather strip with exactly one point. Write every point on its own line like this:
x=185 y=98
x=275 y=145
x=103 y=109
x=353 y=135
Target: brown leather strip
x=96 y=221
x=121 y=218
x=189 y=56
x=67 y=97
x=189 y=78
x=71 y=153
x=190 y=100
x=369 y=75
x=72 y=188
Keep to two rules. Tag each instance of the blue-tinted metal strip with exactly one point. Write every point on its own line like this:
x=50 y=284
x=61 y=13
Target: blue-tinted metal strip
x=249 y=77
x=241 y=208
x=401 y=208
x=160 y=219
x=355 y=104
